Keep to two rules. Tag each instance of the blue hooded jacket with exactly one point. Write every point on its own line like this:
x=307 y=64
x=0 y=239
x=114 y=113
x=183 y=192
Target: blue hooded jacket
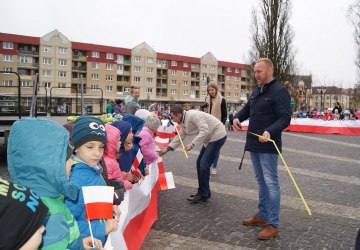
x=36 y=156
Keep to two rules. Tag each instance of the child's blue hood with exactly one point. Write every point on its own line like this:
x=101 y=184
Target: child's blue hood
x=37 y=155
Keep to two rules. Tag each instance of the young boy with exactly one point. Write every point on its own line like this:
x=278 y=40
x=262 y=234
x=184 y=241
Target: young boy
x=88 y=136
x=37 y=151
x=22 y=215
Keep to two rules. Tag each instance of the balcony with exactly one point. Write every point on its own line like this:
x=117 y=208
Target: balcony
x=28 y=52
x=79 y=58
x=161 y=85
x=78 y=80
x=78 y=68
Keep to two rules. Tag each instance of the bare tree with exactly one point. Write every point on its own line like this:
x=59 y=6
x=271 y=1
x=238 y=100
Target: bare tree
x=354 y=18
x=272 y=37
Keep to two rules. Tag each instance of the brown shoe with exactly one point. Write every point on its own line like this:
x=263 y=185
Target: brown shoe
x=254 y=221
x=268 y=232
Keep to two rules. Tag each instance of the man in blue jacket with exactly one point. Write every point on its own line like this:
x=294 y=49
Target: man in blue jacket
x=270 y=113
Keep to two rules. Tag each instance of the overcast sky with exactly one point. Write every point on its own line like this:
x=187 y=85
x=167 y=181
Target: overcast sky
x=323 y=36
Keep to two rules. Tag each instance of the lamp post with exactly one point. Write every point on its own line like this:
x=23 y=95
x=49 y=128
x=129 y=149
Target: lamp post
x=301 y=85
x=322 y=91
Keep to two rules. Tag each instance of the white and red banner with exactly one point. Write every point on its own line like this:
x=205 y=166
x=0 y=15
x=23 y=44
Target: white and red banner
x=308 y=125
x=166 y=180
x=138 y=159
x=98 y=202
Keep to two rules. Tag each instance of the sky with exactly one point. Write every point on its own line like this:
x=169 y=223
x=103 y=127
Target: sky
x=323 y=35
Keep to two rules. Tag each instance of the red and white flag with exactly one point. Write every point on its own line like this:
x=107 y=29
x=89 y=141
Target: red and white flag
x=138 y=159
x=98 y=202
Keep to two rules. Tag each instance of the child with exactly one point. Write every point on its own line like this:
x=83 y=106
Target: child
x=111 y=153
x=88 y=137
x=22 y=224
x=147 y=142
x=37 y=151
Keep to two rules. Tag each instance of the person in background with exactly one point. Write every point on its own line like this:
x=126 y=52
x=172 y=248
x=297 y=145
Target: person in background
x=154 y=108
x=132 y=101
x=117 y=108
x=270 y=113
x=45 y=169
x=216 y=106
x=339 y=113
x=22 y=224
x=210 y=132
x=88 y=136
x=110 y=107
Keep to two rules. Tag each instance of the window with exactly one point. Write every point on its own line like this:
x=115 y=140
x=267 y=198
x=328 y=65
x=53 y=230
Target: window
x=149 y=70
x=213 y=67
x=25 y=59
x=203 y=93
x=47 y=84
x=137 y=69
x=150 y=60
x=62 y=62
x=228 y=77
x=185 y=73
x=109 y=56
x=63 y=50
x=149 y=90
x=109 y=66
x=236 y=94
x=95 y=54
x=8 y=45
x=184 y=83
x=119 y=67
x=94 y=87
x=62 y=74
x=47 y=49
x=95 y=76
x=7 y=83
x=137 y=58
x=95 y=65
x=8 y=58
x=185 y=64
x=173 y=72
x=203 y=66
x=237 y=70
x=243 y=73
x=108 y=77
x=243 y=79
x=149 y=80
x=194 y=66
x=46 y=73
x=173 y=91
x=7 y=69
x=236 y=78
x=236 y=86
x=25 y=83
x=228 y=69
x=126 y=89
x=173 y=63
x=204 y=76
x=137 y=79
x=61 y=85
x=173 y=82
x=228 y=86
x=184 y=92
x=47 y=61
x=109 y=88
x=228 y=94
x=120 y=58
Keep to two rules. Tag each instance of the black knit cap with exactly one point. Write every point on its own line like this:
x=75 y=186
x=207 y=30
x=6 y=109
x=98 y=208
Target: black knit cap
x=21 y=214
x=87 y=128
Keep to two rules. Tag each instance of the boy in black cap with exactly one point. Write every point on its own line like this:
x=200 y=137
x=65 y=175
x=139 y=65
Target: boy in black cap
x=22 y=215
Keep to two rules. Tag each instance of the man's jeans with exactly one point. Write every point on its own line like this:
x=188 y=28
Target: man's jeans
x=265 y=168
x=203 y=163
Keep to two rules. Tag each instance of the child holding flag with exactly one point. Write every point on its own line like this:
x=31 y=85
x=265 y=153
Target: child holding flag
x=88 y=137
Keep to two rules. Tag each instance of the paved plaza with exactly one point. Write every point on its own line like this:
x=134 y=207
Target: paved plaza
x=325 y=167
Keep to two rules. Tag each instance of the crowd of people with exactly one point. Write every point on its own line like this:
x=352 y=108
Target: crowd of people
x=49 y=163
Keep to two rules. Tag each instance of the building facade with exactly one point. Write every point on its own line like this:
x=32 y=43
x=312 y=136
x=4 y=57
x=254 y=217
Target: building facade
x=62 y=68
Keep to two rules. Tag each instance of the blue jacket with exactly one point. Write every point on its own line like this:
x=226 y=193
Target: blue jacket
x=84 y=175
x=268 y=110
x=36 y=158
x=127 y=158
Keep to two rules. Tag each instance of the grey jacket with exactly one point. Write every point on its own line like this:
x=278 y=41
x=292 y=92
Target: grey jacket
x=207 y=127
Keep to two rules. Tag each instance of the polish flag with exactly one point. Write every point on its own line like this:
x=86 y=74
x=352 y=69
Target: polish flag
x=98 y=202
x=138 y=159
x=166 y=180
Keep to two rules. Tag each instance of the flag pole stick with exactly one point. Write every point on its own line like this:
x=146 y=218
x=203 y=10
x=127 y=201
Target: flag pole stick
x=182 y=144
x=288 y=170
x=91 y=233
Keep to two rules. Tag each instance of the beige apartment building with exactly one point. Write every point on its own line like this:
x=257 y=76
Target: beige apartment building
x=62 y=67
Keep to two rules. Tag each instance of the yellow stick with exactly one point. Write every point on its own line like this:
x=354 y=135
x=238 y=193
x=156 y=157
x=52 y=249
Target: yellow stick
x=182 y=144
x=288 y=170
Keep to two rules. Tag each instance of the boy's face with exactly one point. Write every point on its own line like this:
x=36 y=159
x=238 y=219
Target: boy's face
x=128 y=142
x=91 y=152
x=34 y=242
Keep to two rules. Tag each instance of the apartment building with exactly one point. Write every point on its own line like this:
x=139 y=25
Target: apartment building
x=62 y=68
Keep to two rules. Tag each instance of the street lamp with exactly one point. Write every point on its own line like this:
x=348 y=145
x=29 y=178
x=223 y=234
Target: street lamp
x=301 y=85
x=322 y=91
